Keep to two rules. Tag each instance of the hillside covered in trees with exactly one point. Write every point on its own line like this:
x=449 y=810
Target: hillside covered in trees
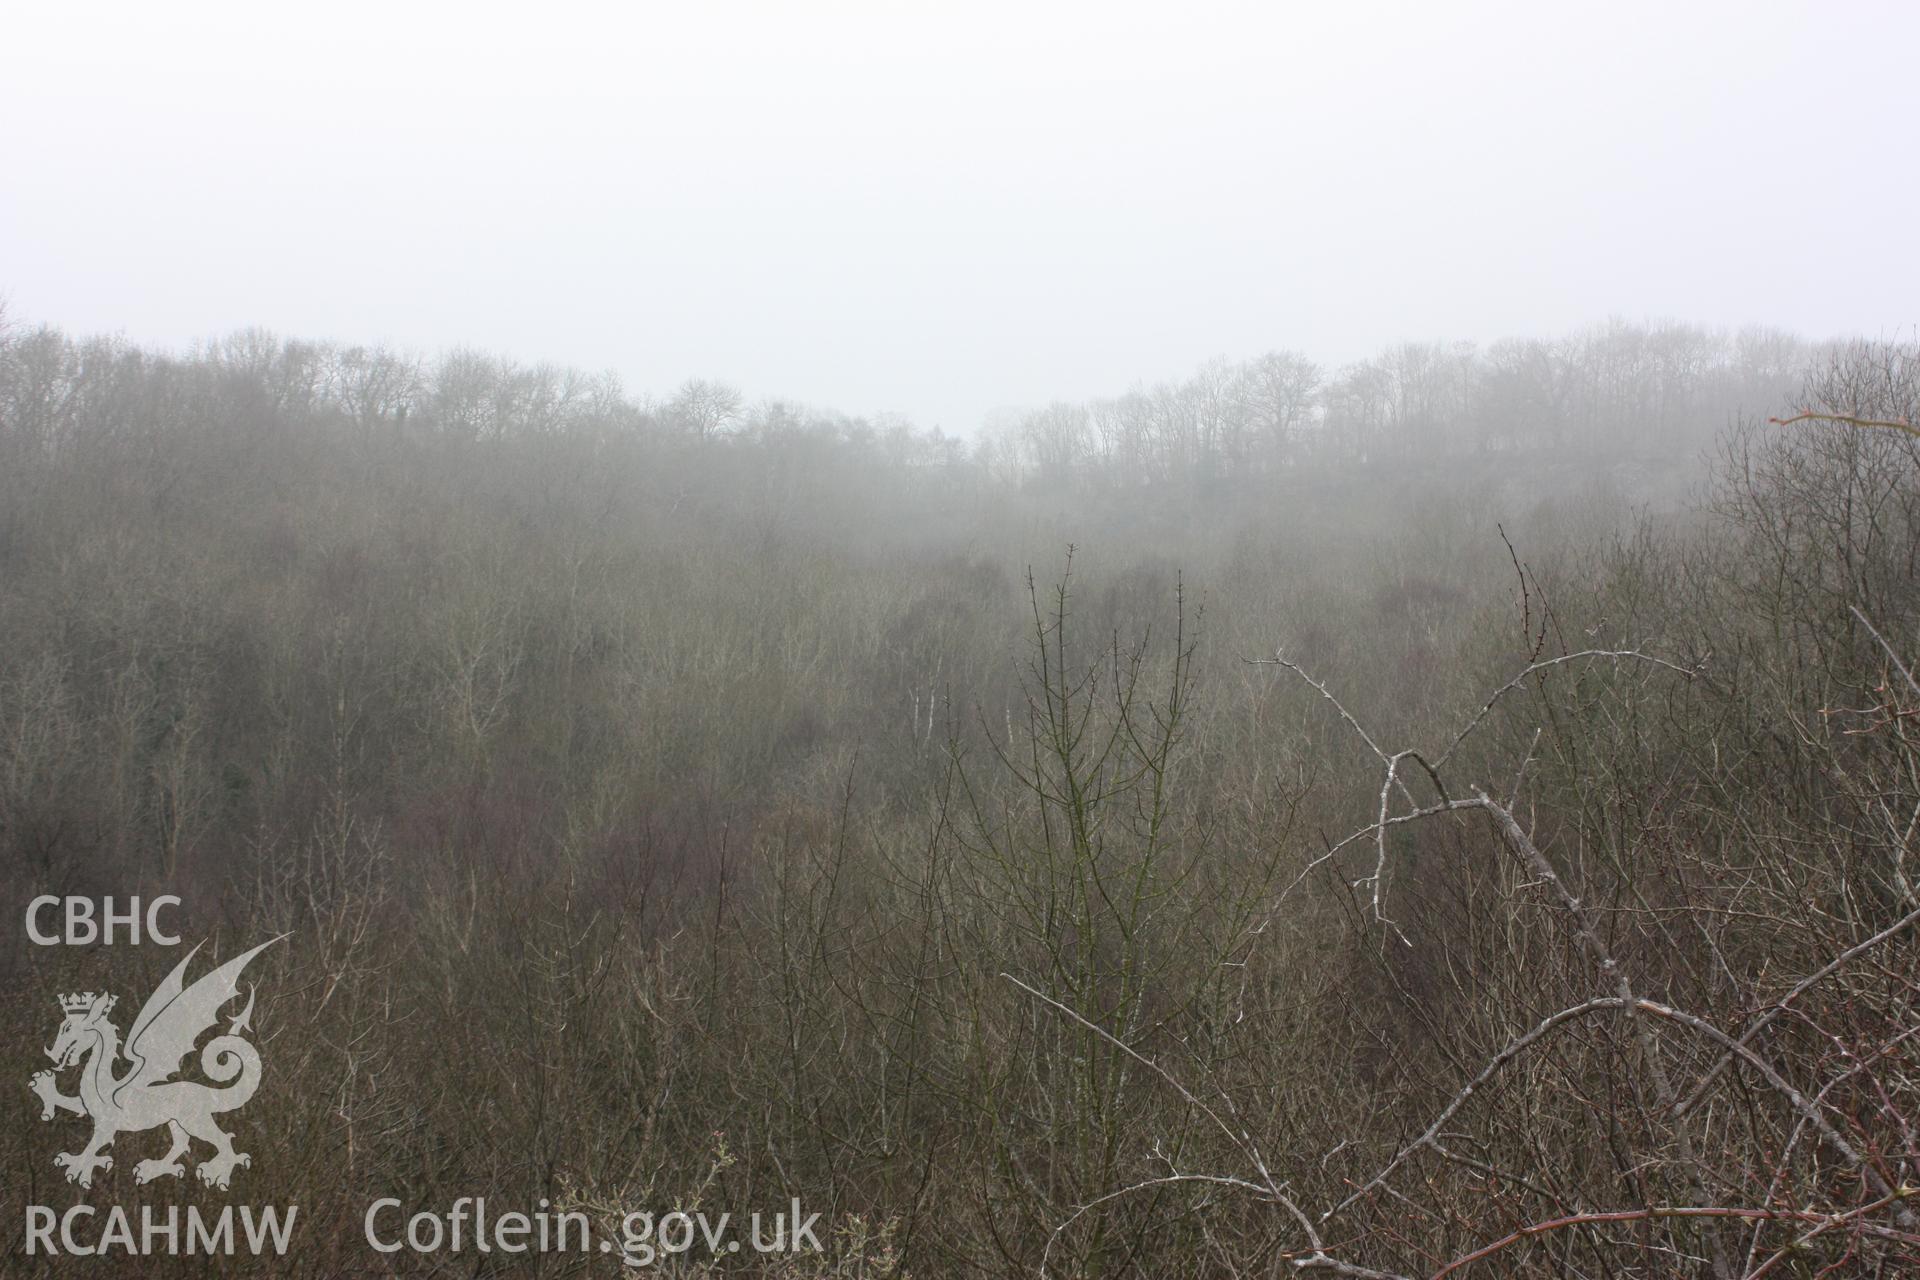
x=1448 y=814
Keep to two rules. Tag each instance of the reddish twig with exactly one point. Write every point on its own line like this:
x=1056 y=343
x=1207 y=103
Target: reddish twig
x=1821 y=1221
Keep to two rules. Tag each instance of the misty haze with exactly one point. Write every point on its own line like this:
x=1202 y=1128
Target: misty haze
x=836 y=641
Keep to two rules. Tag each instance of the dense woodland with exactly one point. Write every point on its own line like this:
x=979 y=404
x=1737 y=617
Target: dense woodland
x=1295 y=819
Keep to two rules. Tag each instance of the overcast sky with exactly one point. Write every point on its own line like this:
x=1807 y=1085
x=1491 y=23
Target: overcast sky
x=939 y=210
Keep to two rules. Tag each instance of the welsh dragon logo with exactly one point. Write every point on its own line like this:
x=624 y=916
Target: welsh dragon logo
x=145 y=1096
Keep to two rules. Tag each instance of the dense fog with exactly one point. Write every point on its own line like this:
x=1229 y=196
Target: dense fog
x=840 y=641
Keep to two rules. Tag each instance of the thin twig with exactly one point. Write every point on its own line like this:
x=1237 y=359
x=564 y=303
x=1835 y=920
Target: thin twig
x=1848 y=420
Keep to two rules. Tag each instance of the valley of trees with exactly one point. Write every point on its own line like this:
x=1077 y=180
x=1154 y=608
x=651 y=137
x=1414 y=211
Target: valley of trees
x=1449 y=815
